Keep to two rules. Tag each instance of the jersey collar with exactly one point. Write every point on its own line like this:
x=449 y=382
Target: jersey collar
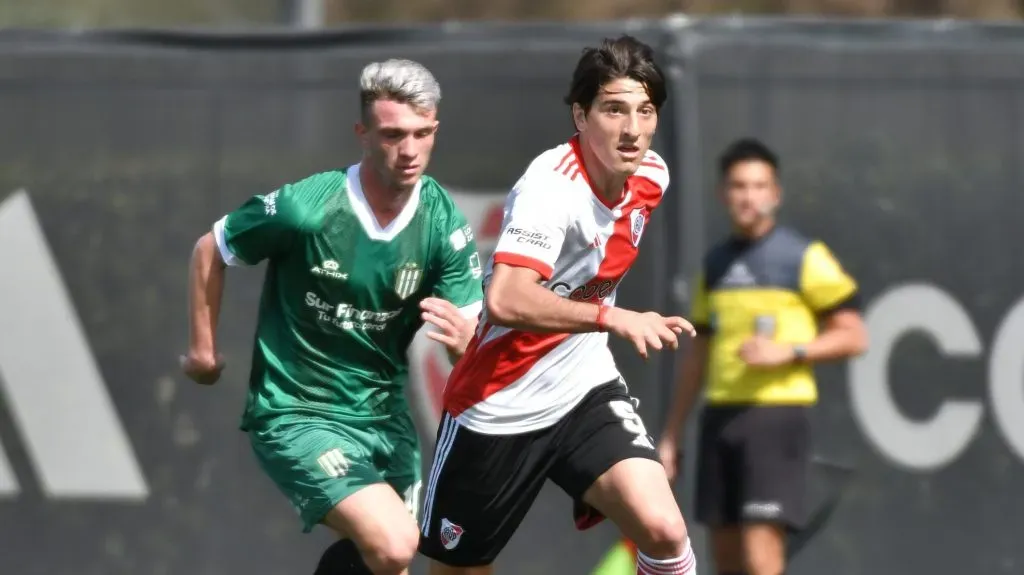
x=574 y=142
x=364 y=213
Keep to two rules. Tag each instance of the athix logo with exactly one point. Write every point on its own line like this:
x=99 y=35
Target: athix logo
x=329 y=269
x=52 y=386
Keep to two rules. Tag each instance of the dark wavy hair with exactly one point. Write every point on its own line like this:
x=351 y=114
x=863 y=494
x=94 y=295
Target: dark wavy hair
x=622 y=57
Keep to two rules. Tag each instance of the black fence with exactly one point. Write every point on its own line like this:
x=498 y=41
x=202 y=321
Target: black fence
x=901 y=147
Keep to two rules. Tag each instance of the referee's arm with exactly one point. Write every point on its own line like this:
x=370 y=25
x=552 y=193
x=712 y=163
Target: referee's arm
x=689 y=381
x=688 y=385
x=833 y=295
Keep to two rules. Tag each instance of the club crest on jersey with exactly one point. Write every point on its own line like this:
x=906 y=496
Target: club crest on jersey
x=407 y=280
x=450 y=534
x=637 y=221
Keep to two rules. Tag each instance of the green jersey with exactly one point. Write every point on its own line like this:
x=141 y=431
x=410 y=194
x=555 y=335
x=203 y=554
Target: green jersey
x=340 y=302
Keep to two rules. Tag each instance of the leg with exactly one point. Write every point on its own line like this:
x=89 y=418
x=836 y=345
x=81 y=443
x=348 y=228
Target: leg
x=718 y=488
x=478 y=491
x=442 y=569
x=404 y=470
x=342 y=557
x=636 y=496
x=775 y=455
x=727 y=550
x=376 y=519
x=608 y=461
x=327 y=471
x=764 y=548
x=400 y=443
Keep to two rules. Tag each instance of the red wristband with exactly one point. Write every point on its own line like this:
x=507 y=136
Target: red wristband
x=601 y=311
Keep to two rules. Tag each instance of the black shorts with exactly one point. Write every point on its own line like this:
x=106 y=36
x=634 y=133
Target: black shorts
x=752 y=465
x=481 y=486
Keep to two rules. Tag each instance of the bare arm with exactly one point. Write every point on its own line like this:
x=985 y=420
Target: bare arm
x=687 y=387
x=206 y=287
x=516 y=299
x=833 y=294
x=843 y=335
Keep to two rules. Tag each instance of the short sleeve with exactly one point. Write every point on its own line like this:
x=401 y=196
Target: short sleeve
x=824 y=284
x=263 y=227
x=460 y=278
x=700 y=307
x=535 y=227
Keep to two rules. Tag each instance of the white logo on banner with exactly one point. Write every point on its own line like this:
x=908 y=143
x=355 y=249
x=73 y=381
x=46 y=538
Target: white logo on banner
x=931 y=443
x=49 y=378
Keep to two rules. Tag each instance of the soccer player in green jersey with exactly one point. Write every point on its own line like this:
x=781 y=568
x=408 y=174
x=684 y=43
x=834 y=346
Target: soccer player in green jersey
x=357 y=260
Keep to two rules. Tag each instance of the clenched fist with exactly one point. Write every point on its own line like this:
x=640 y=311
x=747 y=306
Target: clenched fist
x=202 y=368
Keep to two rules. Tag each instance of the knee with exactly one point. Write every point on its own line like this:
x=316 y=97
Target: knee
x=759 y=562
x=665 y=536
x=392 y=554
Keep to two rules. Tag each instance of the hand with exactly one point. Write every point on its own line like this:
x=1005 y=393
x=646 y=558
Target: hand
x=455 y=331
x=202 y=368
x=760 y=351
x=647 y=329
x=670 y=456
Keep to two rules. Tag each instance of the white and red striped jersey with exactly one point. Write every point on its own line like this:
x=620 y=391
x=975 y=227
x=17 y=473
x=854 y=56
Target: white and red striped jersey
x=512 y=381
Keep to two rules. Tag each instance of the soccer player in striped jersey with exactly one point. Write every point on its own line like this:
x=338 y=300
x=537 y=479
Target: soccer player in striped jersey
x=538 y=395
x=357 y=258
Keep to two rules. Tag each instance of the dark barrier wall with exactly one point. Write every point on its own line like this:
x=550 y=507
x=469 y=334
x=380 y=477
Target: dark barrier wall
x=128 y=149
x=900 y=146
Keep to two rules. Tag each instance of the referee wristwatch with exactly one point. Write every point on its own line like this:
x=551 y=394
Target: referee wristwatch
x=799 y=353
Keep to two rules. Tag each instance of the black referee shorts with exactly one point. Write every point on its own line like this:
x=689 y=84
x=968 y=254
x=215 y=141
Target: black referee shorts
x=481 y=486
x=752 y=465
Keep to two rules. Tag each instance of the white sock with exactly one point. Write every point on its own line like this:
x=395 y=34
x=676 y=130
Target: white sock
x=685 y=564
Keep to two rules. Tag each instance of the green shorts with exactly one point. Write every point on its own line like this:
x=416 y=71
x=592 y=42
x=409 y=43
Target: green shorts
x=317 y=462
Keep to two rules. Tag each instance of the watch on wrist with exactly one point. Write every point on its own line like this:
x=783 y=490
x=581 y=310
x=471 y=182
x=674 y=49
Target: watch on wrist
x=800 y=353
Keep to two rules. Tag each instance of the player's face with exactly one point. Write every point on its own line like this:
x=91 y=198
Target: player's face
x=751 y=193
x=397 y=141
x=619 y=126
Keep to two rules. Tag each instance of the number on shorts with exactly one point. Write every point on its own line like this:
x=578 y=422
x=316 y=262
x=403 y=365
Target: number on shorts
x=412 y=499
x=631 y=422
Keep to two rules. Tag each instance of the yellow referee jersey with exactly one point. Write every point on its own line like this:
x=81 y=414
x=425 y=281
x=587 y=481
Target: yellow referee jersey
x=778 y=286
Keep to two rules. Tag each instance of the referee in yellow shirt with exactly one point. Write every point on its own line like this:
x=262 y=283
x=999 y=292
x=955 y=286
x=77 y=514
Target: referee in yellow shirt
x=769 y=303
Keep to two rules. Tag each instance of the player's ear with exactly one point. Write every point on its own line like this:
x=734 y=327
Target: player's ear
x=778 y=193
x=363 y=133
x=579 y=117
